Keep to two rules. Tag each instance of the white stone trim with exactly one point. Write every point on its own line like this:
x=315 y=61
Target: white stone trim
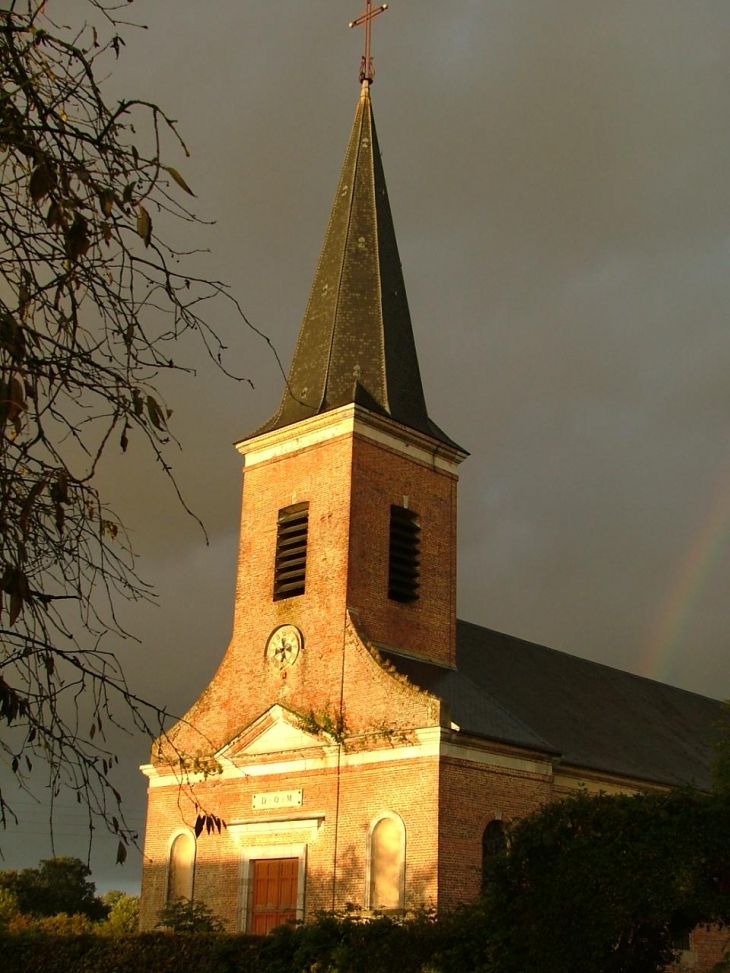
x=427 y=746
x=349 y=420
x=477 y=755
x=274 y=721
x=245 y=873
x=242 y=830
x=433 y=741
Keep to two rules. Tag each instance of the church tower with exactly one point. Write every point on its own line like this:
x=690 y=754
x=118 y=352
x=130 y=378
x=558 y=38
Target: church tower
x=347 y=554
x=350 y=485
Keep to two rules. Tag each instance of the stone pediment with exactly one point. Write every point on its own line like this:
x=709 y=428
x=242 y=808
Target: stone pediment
x=275 y=732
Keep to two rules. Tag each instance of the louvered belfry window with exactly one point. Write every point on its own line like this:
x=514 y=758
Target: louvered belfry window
x=405 y=545
x=291 y=551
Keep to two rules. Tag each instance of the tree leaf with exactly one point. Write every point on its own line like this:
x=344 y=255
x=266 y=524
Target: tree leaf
x=16 y=605
x=110 y=529
x=11 y=704
x=54 y=215
x=137 y=402
x=16 y=395
x=179 y=179
x=42 y=181
x=77 y=238
x=28 y=505
x=106 y=201
x=144 y=224
x=59 y=488
x=155 y=412
x=24 y=295
x=12 y=337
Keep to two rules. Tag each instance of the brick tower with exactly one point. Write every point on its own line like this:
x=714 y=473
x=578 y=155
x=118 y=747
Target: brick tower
x=318 y=755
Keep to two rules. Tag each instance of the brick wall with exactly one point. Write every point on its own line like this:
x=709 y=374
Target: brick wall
x=707 y=948
x=472 y=795
x=384 y=477
x=345 y=804
x=347 y=564
x=321 y=476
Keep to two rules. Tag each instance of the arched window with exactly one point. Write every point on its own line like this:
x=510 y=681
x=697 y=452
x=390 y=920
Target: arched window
x=386 y=859
x=494 y=847
x=181 y=867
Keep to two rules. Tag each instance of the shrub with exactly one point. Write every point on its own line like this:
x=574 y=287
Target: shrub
x=123 y=915
x=9 y=910
x=331 y=944
x=185 y=915
x=64 y=925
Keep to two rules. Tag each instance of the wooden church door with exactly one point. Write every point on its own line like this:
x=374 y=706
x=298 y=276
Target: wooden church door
x=274 y=898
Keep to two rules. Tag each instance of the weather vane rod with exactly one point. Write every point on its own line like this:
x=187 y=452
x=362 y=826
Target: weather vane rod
x=366 y=19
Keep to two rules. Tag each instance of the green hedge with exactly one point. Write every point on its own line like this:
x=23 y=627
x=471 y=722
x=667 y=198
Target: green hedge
x=145 y=953
x=330 y=945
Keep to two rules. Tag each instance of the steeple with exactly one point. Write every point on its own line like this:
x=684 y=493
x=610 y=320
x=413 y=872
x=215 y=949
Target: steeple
x=356 y=341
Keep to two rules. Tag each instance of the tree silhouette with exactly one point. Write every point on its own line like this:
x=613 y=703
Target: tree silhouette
x=57 y=885
x=92 y=302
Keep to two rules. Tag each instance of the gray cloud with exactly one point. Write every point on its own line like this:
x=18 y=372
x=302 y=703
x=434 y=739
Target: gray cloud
x=558 y=175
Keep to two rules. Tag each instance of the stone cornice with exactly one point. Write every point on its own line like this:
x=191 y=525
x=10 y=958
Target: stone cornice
x=353 y=420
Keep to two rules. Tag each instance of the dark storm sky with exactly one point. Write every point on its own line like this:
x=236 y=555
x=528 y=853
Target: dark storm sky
x=559 y=175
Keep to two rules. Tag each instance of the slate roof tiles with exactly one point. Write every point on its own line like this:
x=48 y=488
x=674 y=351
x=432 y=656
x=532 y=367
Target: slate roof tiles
x=594 y=716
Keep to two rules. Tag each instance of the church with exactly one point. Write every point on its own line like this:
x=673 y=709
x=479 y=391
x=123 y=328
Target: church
x=360 y=744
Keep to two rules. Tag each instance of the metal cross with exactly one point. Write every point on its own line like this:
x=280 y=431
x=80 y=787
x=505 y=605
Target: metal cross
x=366 y=19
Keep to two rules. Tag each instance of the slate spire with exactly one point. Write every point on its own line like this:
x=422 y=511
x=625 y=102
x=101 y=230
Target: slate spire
x=356 y=340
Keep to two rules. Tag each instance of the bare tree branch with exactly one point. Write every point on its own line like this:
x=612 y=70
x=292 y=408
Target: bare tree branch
x=91 y=303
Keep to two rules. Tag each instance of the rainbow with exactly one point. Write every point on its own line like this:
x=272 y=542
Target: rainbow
x=660 y=651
